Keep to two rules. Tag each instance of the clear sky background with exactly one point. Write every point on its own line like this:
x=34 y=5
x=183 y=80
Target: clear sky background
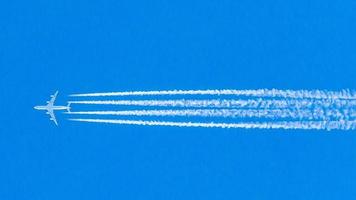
x=90 y=46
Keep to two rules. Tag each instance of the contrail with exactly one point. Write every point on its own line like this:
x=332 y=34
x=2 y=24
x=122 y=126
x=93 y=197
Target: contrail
x=306 y=125
x=225 y=103
x=284 y=109
x=316 y=114
x=300 y=94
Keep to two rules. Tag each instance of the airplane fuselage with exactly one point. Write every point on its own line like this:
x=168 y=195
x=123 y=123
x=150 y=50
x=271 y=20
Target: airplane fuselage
x=51 y=107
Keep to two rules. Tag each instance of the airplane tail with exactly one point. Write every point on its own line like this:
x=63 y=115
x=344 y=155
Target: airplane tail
x=68 y=107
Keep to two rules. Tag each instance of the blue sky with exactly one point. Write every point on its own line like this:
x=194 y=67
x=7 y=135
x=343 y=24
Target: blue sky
x=80 y=46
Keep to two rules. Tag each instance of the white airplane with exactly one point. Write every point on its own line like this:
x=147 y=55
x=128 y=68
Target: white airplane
x=50 y=107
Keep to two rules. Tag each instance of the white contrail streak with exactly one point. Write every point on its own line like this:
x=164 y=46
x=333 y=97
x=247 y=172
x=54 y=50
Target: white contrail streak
x=316 y=94
x=299 y=109
x=231 y=113
x=224 y=103
x=318 y=125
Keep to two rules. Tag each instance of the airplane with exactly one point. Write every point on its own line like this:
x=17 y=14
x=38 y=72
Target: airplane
x=50 y=107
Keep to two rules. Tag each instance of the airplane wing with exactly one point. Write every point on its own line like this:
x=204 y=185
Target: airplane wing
x=53 y=98
x=52 y=116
